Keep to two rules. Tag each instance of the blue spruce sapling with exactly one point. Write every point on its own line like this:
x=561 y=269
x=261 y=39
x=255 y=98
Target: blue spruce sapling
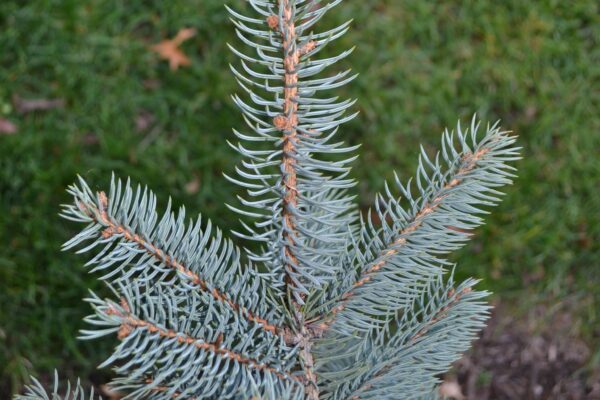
x=330 y=304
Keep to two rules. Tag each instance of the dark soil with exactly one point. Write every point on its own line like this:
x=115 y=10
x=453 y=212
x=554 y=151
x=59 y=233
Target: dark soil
x=513 y=361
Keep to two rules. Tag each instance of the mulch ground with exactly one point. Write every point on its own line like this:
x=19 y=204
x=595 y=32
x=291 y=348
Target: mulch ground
x=514 y=361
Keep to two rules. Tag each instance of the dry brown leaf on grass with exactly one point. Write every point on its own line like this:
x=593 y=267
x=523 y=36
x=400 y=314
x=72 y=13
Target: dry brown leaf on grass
x=7 y=127
x=24 y=106
x=169 y=50
x=193 y=186
x=144 y=121
x=452 y=390
x=110 y=393
x=89 y=138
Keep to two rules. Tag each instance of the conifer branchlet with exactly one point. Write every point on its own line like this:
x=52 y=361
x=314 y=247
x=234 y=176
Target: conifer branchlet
x=329 y=304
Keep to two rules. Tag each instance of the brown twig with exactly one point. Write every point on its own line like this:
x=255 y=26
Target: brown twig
x=441 y=314
x=25 y=106
x=287 y=123
x=130 y=322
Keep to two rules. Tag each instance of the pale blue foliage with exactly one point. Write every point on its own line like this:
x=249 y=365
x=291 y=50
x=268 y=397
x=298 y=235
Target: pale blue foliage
x=324 y=210
x=170 y=348
x=369 y=297
x=36 y=391
x=433 y=214
x=196 y=248
x=418 y=343
x=151 y=262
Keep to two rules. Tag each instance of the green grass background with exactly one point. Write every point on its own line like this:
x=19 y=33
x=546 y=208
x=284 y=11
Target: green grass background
x=422 y=64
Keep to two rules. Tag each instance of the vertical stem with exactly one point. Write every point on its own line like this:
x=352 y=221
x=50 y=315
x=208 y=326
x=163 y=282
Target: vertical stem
x=287 y=123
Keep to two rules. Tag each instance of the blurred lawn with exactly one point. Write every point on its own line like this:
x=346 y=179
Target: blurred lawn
x=535 y=65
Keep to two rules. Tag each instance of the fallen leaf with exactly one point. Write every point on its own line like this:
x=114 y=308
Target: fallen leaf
x=7 y=127
x=90 y=138
x=451 y=389
x=143 y=121
x=192 y=186
x=583 y=238
x=151 y=84
x=531 y=112
x=24 y=106
x=111 y=393
x=168 y=49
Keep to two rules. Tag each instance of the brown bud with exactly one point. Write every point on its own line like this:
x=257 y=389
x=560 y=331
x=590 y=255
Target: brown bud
x=273 y=22
x=307 y=48
x=124 y=305
x=124 y=331
x=112 y=310
x=85 y=209
x=108 y=232
x=103 y=200
x=280 y=122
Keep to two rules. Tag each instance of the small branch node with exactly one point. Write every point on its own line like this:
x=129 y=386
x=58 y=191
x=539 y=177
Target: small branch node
x=273 y=22
x=280 y=122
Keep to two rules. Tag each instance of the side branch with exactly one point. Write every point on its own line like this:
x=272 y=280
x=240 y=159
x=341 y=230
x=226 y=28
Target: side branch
x=130 y=322
x=113 y=228
x=441 y=314
x=287 y=122
x=469 y=163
